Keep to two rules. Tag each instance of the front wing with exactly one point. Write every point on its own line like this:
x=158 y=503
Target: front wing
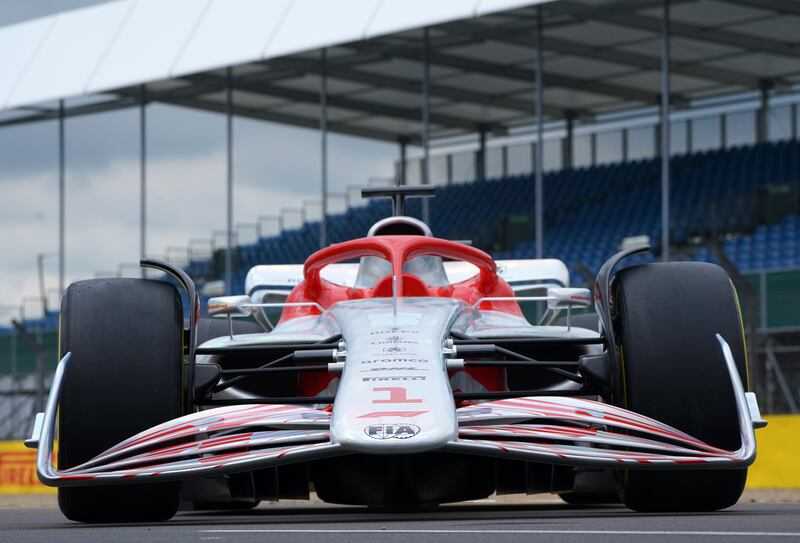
x=554 y=430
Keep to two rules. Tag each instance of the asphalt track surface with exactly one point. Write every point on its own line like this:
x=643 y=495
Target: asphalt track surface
x=470 y=523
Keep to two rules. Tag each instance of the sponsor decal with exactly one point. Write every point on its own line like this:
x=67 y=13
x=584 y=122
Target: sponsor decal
x=392 y=360
x=394 y=378
x=396 y=395
x=402 y=414
x=393 y=330
x=391 y=431
x=395 y=368
x=18 y=470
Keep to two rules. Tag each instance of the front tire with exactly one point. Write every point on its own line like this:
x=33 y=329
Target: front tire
x=125 y=376
x=672 y=368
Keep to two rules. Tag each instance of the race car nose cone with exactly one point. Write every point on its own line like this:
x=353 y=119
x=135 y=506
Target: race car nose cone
x=394 y=395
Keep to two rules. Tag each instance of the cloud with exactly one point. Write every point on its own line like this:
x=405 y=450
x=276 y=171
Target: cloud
x=274 y=166
x=101 y=139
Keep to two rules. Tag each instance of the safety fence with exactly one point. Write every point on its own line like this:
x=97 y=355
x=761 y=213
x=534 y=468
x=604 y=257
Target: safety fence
x=770 y=303
x=21 y=397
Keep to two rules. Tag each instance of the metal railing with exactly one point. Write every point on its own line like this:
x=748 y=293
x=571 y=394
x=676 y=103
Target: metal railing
x=613 y=141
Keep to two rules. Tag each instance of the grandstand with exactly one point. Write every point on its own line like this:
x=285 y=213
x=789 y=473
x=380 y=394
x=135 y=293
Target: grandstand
x=588 y=212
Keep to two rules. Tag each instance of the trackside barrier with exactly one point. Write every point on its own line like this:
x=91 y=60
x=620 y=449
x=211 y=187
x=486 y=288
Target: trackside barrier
x=18 y=470
x=775 y=467
x=776 y=463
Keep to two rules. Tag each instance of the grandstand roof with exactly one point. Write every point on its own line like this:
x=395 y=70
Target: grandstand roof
x=599 y=56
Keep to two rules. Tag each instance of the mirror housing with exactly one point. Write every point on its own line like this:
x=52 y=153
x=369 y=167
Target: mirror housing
x=564 y=298
x=229 y=306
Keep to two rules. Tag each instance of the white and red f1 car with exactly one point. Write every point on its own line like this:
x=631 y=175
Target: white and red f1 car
x=401 y=372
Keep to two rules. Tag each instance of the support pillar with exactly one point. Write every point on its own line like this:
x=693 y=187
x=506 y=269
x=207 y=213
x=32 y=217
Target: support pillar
x=229 y=172
x=323 y=127
x=723 y=131
x=42 y=291
x=665 y=135
x=625 y=150
x=402 y=174
x=426 y=81
x=539 y=188
x=567 y=143
x=449 y=165
x=762 y=128
x=480 y=163
x=143 y=178
x=689 y=138
x=61 y=197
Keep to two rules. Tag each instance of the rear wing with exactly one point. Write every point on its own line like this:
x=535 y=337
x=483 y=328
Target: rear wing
x=521 y=275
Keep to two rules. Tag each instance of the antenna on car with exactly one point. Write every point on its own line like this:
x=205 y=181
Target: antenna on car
x=399 y=195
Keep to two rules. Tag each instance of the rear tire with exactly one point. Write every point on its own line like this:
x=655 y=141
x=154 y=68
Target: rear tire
x=125 y=376
x=672 y=369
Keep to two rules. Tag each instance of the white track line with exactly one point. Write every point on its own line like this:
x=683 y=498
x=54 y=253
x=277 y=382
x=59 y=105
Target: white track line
x=498 y=532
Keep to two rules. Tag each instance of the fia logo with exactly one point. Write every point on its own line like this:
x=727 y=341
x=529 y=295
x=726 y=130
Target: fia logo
x=391 y=431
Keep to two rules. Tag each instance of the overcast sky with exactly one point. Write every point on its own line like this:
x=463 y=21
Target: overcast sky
x=274 y=166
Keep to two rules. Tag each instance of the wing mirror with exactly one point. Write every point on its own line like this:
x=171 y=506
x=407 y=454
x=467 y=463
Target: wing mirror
x=566 y=298
x=229 y=306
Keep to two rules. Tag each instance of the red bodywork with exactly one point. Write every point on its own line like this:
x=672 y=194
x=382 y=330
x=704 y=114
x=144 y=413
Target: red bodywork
x=398 y=250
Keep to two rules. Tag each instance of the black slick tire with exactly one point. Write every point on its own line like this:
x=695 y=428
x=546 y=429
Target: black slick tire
x=666 y=317
x=125 y=375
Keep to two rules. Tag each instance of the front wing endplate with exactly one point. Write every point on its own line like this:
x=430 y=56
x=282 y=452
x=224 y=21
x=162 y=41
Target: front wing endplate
x=555 y=430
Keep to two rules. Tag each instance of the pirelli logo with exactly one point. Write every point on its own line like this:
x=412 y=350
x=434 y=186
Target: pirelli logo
x=18 y=470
